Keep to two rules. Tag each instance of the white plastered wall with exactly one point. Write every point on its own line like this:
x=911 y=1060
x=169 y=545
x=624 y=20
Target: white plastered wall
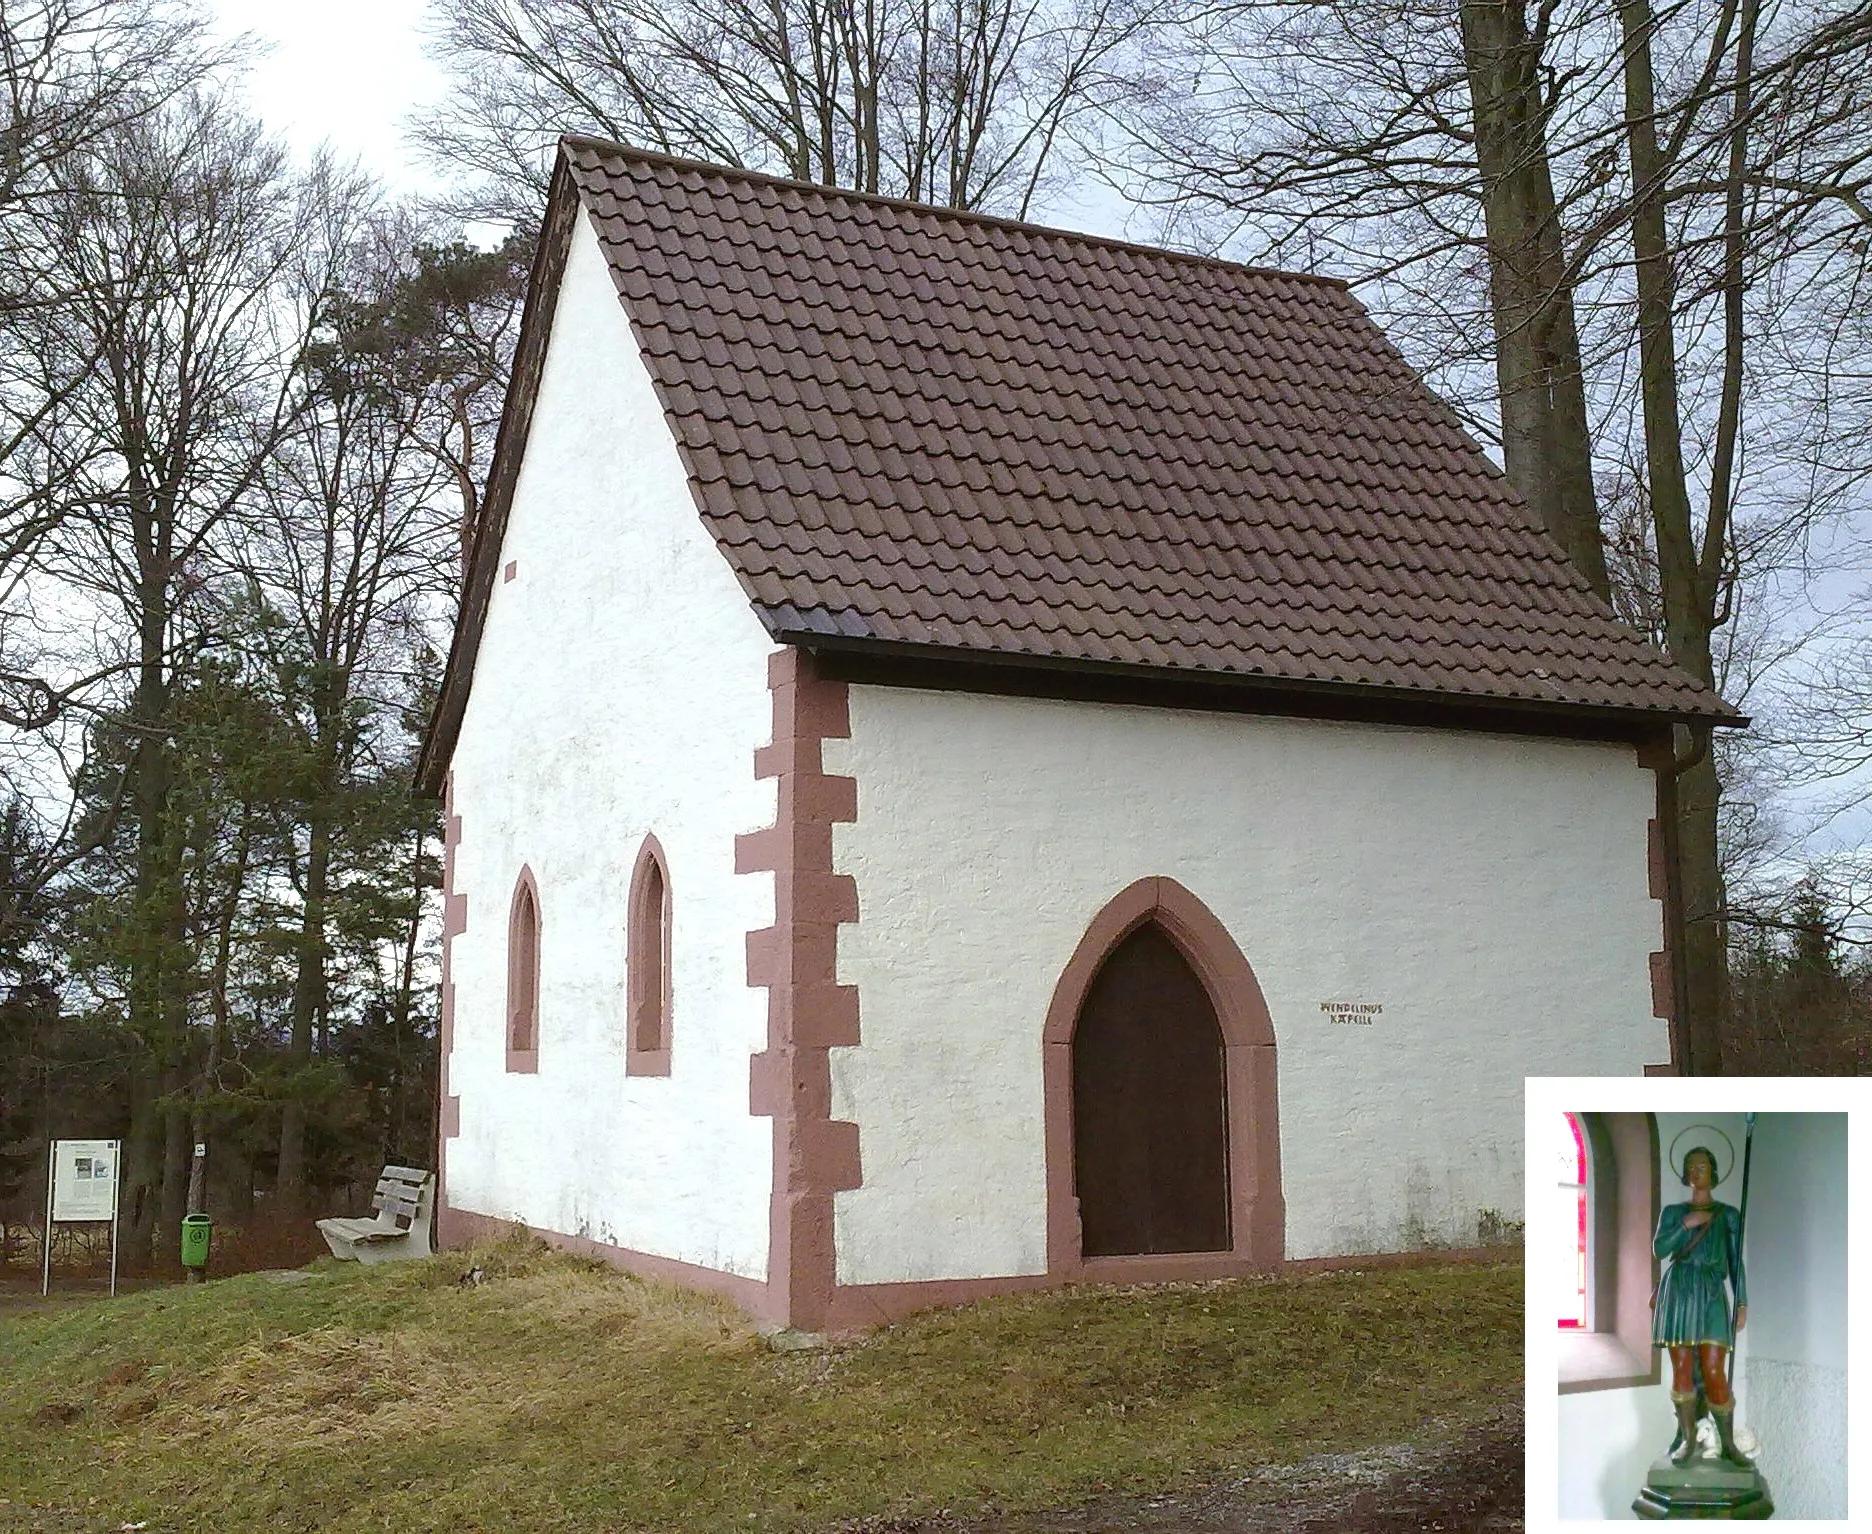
x=1792 y=1374
x=1490 y=893
x=621 y=688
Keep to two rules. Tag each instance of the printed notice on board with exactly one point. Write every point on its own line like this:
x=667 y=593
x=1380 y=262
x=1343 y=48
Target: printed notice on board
x=1366 y=1012
x=84 y=1179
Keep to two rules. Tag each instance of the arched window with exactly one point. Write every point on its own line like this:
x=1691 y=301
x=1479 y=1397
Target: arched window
x=523 y=958
x=647 y=978
x=1600 y=1226
x=1571 y=1148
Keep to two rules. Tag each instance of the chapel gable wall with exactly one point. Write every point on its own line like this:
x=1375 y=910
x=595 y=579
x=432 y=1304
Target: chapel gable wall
x=620 y=692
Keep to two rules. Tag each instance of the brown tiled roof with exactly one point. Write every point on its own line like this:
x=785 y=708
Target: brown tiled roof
x=909 y=425
x=914 y=427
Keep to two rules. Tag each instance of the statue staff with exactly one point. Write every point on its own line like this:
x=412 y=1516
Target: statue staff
x=1748 y=1152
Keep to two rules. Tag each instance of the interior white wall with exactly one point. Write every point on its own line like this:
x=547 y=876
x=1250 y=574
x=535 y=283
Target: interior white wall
x=1608 y=1439
x=1489 y=892
x=1794 y=1374
x=620 y=688
x=1789 y=1365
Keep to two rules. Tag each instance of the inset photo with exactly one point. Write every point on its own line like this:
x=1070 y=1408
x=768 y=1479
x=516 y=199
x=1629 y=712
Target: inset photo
x=1692 y=1265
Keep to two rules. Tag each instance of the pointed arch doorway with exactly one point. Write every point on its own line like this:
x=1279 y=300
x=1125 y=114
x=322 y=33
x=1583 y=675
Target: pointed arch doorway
x=1162 y=1107
x=1150 y=1107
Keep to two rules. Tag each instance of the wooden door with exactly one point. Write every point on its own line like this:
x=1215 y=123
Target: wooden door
x=1150 y=1121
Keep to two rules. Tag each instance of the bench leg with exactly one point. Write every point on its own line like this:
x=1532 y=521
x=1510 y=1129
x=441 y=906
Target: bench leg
x=340 y=1248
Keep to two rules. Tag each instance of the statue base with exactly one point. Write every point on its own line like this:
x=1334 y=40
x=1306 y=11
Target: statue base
x=1706 y=1487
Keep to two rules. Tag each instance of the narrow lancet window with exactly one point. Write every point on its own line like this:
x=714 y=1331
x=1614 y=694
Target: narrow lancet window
x=523 y=955
x=647 y=1010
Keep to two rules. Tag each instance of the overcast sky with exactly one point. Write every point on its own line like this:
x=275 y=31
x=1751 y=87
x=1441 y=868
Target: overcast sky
x=351 y=73
x=347 y=72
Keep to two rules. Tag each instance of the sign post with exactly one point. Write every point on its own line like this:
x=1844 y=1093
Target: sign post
x=81 y=1187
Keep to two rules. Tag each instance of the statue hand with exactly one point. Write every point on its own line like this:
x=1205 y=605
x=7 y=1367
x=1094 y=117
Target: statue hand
x=1741 y=1316
x=1696 y=1218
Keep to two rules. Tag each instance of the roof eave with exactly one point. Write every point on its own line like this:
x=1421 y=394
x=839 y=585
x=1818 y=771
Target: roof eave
x=1241 y=691
x=483 y=556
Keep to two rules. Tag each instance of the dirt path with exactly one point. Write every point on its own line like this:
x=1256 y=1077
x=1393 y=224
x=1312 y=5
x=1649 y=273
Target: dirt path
x=1473 y=1483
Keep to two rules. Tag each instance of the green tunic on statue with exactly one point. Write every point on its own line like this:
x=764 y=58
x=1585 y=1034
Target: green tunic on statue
x=1691 y=1305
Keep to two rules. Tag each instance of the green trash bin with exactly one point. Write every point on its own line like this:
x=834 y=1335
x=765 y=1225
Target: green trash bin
x=195 y=1233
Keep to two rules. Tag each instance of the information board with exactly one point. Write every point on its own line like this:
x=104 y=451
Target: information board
x=84 y=1179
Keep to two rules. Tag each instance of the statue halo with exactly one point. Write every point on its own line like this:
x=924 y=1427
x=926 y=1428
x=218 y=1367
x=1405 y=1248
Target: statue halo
x=1710 y=1138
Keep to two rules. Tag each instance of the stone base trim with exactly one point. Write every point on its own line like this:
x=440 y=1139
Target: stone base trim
x=856 y=1308
x=859 y=1307
x=460 y=1227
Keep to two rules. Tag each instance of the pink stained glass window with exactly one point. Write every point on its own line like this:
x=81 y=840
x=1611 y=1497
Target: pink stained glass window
x=1570 y=1154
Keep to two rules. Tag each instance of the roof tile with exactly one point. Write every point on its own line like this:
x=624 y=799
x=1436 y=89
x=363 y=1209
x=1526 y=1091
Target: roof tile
x=909 y=424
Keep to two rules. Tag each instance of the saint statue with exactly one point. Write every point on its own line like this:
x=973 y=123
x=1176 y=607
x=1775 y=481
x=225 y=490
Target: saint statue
x=1700 y=1305
x=1692 y=1317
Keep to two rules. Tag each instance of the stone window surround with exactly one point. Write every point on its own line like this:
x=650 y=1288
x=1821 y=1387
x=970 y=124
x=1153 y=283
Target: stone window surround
x=520 y=984
x=1582 y=1202
x=647 y=1008
x=1615 y=1353
x=1257 y=1215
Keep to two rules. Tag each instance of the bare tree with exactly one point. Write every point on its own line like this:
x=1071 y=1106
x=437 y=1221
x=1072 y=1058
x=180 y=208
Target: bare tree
x=243 y=416
x=1734 y=161
x=353 y=552
x=959 y=102
x=170 y=237
x=72 y=74
x=1546 y=443
x=1609 y=204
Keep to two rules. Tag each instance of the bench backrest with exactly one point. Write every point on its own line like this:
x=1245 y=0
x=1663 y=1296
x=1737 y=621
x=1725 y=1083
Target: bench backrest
x=402 y=1194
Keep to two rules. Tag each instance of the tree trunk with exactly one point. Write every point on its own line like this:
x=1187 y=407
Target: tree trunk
x=1546 y=441
x=175 y=1167
x=401 y=1009
x=1706 y=938
x=142 y=1169
x=158 y=1001
x=308 y=1005
x=1689 y=600
x=208 y=1081
x=289 y=1197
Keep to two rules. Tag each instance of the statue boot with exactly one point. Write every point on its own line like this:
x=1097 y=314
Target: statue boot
x=1686 y=1443
x=1725 y=1431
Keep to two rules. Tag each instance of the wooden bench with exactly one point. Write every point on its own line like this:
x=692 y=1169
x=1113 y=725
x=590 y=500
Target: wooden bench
x=399 y=1222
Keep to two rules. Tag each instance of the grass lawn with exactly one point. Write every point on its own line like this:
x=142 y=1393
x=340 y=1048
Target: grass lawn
x=559 y=1394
